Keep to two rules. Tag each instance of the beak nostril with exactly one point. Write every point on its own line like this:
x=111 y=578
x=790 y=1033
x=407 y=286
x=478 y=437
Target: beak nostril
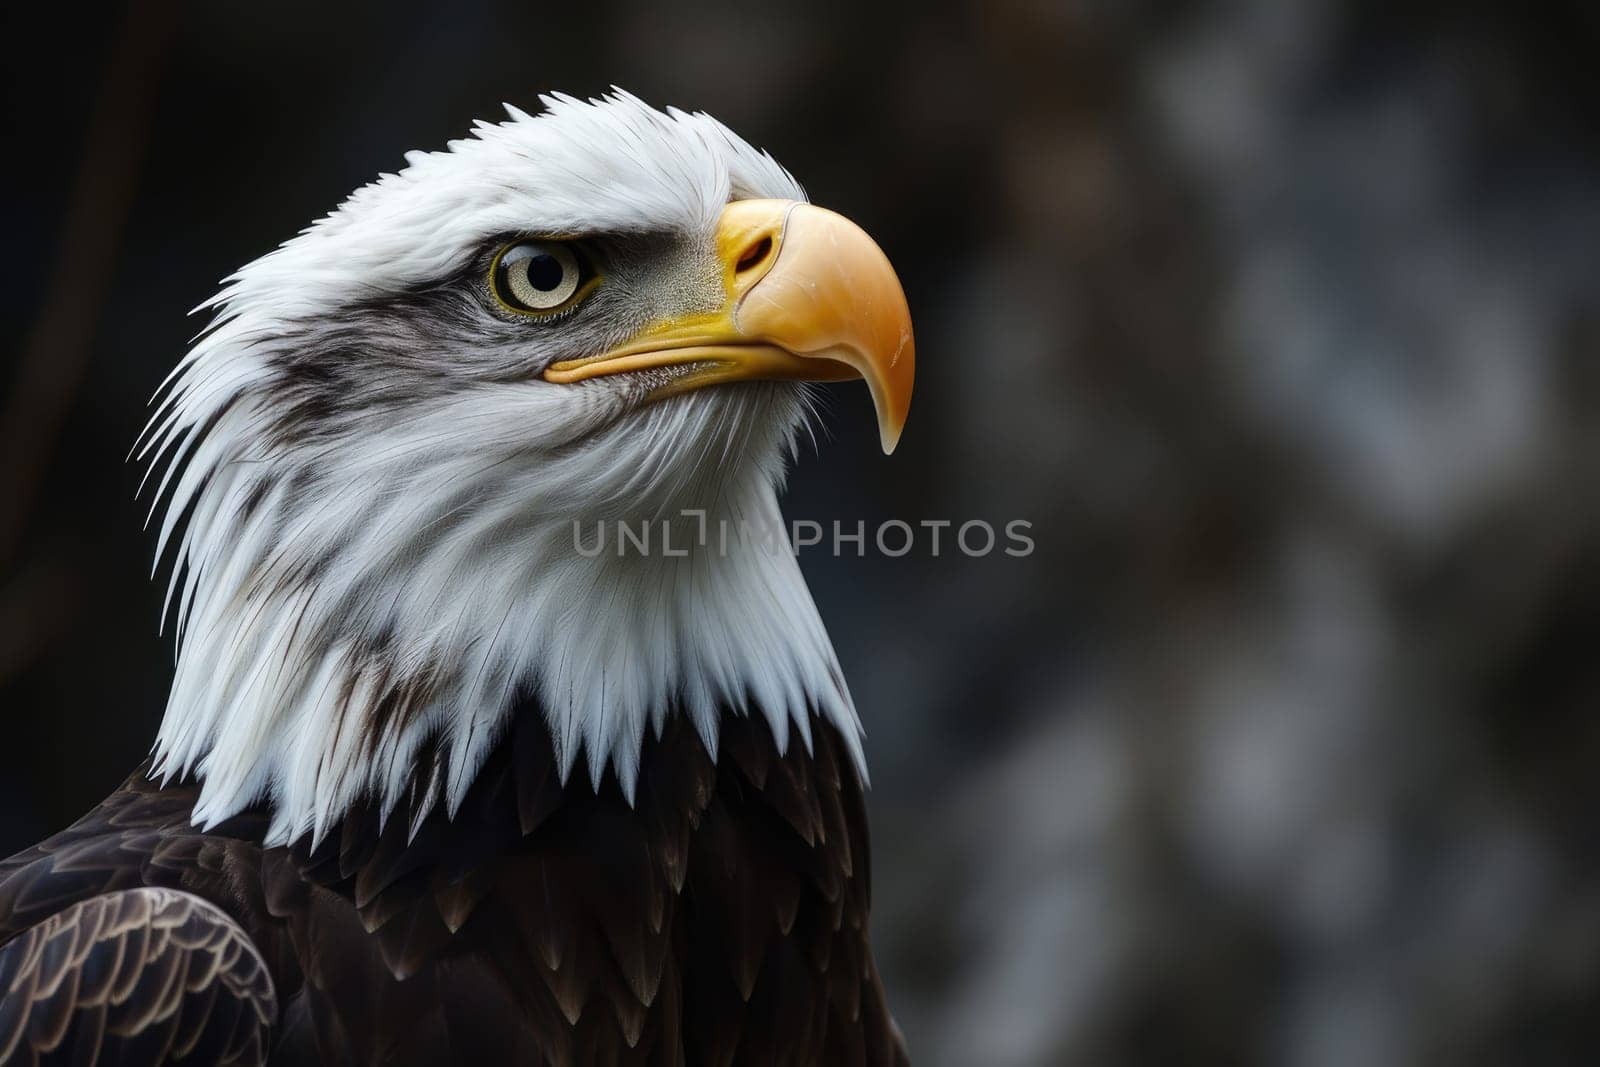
x=754 y=256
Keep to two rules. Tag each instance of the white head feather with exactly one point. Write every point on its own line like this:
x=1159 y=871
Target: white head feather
x=372 y=492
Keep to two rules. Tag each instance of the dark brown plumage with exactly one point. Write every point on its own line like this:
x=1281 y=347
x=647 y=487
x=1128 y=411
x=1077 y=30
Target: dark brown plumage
x=137 y=976
x=720 y=919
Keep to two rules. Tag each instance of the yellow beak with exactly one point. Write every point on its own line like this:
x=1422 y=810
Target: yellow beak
x=808 y=296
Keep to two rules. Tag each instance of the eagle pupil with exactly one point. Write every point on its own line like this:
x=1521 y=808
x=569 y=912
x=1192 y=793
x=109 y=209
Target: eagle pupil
x=544 y=272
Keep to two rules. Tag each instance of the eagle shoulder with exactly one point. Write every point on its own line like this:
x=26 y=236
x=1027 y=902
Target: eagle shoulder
x=135 y=977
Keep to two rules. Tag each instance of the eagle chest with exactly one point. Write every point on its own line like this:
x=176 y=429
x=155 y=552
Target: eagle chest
x=719 y=916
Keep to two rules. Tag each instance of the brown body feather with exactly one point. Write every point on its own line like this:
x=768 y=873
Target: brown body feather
x=721 y=918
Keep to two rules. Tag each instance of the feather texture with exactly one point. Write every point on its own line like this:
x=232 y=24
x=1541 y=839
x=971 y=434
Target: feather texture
x=135 y=978
x=720 y=918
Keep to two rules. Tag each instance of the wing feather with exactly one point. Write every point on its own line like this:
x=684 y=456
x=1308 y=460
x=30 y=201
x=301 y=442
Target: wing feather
x=132 y=978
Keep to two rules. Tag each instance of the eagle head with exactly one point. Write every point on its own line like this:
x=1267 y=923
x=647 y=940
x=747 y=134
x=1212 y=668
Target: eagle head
x=379 y=459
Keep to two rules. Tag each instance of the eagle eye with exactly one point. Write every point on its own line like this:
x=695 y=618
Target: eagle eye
x=536 y=277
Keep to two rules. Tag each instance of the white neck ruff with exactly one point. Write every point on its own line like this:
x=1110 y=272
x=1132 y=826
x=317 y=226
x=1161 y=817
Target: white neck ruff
x=330 y=625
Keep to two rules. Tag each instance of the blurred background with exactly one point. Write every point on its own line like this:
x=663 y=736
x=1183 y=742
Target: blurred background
x=1278 y=320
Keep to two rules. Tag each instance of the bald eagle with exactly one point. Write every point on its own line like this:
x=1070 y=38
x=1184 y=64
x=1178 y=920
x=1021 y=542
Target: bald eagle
x=432 y=784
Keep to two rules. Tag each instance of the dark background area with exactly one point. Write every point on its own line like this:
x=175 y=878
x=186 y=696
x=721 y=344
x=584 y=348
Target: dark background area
x=1278 y=320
